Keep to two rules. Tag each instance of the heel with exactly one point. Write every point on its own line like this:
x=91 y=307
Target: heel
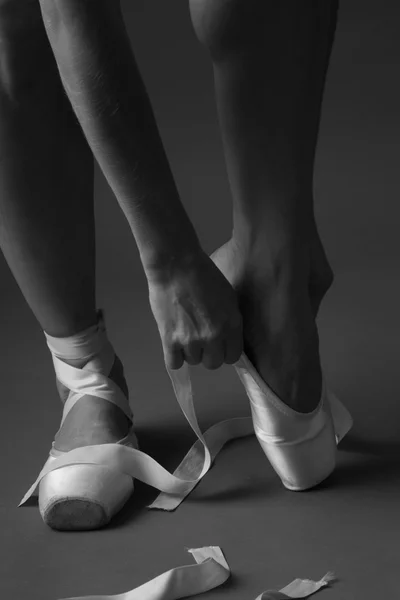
x=303 y=464
x=301 y=447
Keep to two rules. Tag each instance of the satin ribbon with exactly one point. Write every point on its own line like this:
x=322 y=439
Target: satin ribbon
x=211 y=568
x=210 y=571
x=176 y=486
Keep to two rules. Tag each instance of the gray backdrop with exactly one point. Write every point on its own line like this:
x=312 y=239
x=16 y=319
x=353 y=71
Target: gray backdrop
x=270 y=536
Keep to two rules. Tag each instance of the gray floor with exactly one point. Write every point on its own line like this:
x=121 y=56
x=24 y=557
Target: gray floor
x=269 y=535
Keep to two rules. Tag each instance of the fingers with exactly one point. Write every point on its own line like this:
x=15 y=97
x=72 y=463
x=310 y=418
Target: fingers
x=176 y=354
x=173 y=356
x=194 y=353
x=233 y=347
x=234 y=340
x=212 y=354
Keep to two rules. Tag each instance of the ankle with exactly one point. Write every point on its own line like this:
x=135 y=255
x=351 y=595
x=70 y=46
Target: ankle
x=273 y=256
x=88 y=345
x=72 y=327
x=278 y=224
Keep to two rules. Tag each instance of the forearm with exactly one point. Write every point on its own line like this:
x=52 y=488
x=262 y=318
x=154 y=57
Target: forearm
x=101 y=79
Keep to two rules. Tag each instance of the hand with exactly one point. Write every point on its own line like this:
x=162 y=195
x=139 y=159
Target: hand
x=197 y=314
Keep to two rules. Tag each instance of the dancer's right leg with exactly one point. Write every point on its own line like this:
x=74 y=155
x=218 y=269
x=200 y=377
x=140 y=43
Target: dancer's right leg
x=270 y=60
x=47 y=230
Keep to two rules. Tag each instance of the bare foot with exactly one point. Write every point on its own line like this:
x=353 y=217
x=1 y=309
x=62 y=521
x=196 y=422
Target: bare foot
x=93 y=420
x=279 y=299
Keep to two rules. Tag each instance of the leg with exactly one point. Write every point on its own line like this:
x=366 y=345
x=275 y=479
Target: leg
x=46 y=214
x=270 y=61
x=100 y=75
x=46 y=201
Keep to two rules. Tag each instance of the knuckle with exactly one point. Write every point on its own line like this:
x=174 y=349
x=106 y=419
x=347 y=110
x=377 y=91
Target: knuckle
x=213 y=336
x=173 y=345
x=193 y=345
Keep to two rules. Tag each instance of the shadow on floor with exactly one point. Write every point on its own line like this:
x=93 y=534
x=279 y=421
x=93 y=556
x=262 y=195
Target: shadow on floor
x=373 y=464
x=168 y=445
x=359 y=445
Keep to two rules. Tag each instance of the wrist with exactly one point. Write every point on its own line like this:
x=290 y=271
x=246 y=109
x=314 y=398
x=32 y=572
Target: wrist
x=164 y=265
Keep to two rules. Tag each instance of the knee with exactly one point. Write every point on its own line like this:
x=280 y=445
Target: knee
x=17 y=19
x=22 y=38
x=228 y=27
x=62 y=12
x=71 y=13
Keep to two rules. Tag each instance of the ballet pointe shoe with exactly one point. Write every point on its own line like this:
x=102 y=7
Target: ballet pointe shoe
x=84 y=496
x=301 y=447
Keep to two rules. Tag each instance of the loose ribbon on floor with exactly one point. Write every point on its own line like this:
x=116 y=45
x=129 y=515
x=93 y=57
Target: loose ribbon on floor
x=211 y=568
x=210 y=571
